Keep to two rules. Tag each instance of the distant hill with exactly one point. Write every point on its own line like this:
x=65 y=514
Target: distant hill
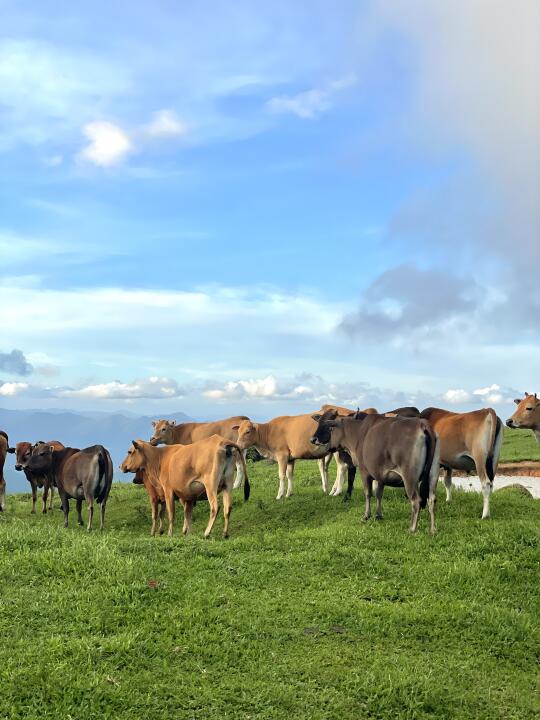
x=76 y=429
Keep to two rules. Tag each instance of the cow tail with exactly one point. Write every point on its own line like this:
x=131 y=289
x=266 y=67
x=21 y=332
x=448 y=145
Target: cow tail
x=233 y=449
x=102 y=482
x=425 y=475
x=494 y=447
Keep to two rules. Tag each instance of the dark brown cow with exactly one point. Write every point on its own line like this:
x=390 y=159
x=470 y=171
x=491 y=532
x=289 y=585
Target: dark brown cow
x=387 y=449
x=410 y=412
x=471 y=442
x=79 y=474
x=527 y=415
x=4 y=446
x=23 y=452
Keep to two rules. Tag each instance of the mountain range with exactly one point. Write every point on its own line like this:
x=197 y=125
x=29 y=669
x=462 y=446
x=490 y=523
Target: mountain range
x=75 y=429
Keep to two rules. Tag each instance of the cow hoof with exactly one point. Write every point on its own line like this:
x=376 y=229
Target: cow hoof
x=365 y=518
x=225 y=535
x=378 y=517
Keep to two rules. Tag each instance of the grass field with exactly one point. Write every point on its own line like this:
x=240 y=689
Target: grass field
x=304 y=612
x=519 y=445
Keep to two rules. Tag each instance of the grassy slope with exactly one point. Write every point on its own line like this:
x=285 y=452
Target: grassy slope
x=519 y=445
x=304 y=613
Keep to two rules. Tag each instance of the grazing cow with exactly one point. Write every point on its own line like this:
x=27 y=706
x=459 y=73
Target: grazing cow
x=284 y=439
x=23 y=452
x=79 y=474
x=4 y=447
x=343 y=461
x=387 y=450
x=187 y=472
x=156 y=497
x=471 y=442
x=527 y=415
x=167 y=432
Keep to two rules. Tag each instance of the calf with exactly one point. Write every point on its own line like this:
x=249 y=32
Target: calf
x=343 y=461
x=284 y=439
x=471 y=442
x=79 y=474
x=386 y=449
x=527 y=415
x=23 y=452
x=167 y=432
x=156 y=497
x=4 y=449
x=187 y=472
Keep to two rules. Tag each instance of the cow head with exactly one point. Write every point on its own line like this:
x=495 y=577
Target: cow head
x=23 y=453
x=527 y=415
x=329 y=425
x=135 y=459
x=247 y=434
x=40 y=460
x=163 y=432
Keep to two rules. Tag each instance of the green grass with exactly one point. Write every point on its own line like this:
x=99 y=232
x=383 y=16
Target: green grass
x=304 y=613
x=519 y=445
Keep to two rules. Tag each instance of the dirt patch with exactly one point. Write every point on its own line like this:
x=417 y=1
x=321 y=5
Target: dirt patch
x=525 y=468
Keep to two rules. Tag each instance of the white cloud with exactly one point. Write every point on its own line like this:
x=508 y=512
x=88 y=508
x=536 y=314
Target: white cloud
x=109 y=144
x=8 y=389
x=310 y=103
x=457 y=397
x=147 y=388
x=165 y=123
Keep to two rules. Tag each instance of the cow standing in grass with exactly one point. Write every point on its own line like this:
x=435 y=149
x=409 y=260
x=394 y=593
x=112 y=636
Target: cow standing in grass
x=4 y=446
x=284 y=439
x=23 y=453
x=470 y=442
x=156 y=498
x=79 y=474
x=527 y=415
x=167 y=432
x=386 y=450
x=188 y=472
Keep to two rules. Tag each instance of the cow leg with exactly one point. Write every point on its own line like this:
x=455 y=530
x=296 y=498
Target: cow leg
x=44 y=498
x=188 y=515
x=351 y=474
x=290 y=473
x=367 y=480
x=337 y=487
x=282 y=471
x=102 y=514
x=65 y=508
x=324 y=473
x=90 y=503
x=379 y=490
x=448 y=483
x=34 y=498
x=227 y=506
x=2 y=494
x=487 y=484
x=414 y=497
x=214 y=509
x=154 y=509
x=51 y=488
x=169 y=500
x=79 y=512
x=161 y=511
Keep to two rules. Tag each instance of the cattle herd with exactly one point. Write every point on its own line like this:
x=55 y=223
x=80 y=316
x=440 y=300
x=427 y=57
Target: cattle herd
x=402 y=447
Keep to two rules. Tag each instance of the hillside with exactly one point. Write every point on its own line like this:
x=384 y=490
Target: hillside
x=304 y=613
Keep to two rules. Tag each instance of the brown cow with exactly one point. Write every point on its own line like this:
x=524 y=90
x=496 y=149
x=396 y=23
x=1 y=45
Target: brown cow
x=387 y=450
x=187 y=472
x=23 y=452
x=80 y=474
x=284 y=439
x=343 y=461
x=167 y=432
x=527 y=415
x=156 y=497
x=470 y=441
x=4 y=447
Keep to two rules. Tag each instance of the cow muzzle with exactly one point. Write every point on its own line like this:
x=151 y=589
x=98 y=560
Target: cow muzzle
x=510 y=423
x=18 y=467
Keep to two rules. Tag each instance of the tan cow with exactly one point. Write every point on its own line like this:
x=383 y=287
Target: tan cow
x=527 y=415
x=167 y=432
x=4 y=445
x=284 y=439
x=471 y=442
x=343 y=460
x=187 y=472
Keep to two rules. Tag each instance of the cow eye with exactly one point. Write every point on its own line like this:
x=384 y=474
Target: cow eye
x=530 y=409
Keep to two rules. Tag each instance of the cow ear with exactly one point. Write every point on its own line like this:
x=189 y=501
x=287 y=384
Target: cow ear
x=51 y=449
x=173 y=422
x=136 y=445
x=517 y=401
x=316 y=417
x=154 y=423
x=11 y=450
x=235 y=427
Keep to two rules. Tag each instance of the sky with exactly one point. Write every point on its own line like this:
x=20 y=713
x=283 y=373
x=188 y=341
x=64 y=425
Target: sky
x=257 y=207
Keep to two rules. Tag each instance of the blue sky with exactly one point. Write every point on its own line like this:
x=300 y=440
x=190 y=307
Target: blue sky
x=222 y=207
